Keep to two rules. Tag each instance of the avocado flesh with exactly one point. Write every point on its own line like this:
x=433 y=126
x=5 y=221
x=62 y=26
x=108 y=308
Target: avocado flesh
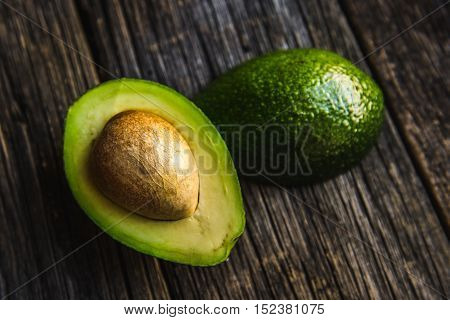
x=204 y=239
x=326 y=112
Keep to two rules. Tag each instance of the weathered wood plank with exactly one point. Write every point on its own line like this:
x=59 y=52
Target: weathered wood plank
x=39 y=78
x=413 y=71
x=371 y=233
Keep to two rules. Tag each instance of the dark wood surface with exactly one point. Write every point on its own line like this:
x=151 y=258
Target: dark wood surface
x=378 y=231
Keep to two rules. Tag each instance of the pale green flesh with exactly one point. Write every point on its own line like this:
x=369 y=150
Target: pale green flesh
x=207 y=237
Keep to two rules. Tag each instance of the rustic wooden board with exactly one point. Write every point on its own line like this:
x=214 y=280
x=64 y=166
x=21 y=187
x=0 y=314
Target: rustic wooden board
x=413 y=71
x=370 y=233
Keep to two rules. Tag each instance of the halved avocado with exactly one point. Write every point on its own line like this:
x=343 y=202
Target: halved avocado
x=203 y=239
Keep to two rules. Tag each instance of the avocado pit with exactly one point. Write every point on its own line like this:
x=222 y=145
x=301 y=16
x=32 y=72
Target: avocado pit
x=143 y=164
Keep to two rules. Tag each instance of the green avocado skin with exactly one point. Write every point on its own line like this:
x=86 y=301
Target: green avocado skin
x=295 y=116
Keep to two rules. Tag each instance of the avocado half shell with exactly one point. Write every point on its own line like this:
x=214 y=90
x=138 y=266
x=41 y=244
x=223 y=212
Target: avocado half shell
x=205 y=236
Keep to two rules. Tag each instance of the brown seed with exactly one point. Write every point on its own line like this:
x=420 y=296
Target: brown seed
x=143 y=164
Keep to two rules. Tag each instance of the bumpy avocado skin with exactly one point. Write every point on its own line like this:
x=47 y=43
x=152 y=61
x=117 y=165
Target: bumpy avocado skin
x=325 y=113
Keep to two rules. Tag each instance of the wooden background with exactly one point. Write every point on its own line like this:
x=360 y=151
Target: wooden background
x=378 y=231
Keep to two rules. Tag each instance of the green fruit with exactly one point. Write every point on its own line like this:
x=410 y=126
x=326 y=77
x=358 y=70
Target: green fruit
x=295 y=116
x=125 y=145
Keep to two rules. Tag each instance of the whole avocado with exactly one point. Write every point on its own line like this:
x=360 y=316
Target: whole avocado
x=295 y=116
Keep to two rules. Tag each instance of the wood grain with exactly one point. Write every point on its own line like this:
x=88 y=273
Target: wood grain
x=413 y=71
x=370 y=233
